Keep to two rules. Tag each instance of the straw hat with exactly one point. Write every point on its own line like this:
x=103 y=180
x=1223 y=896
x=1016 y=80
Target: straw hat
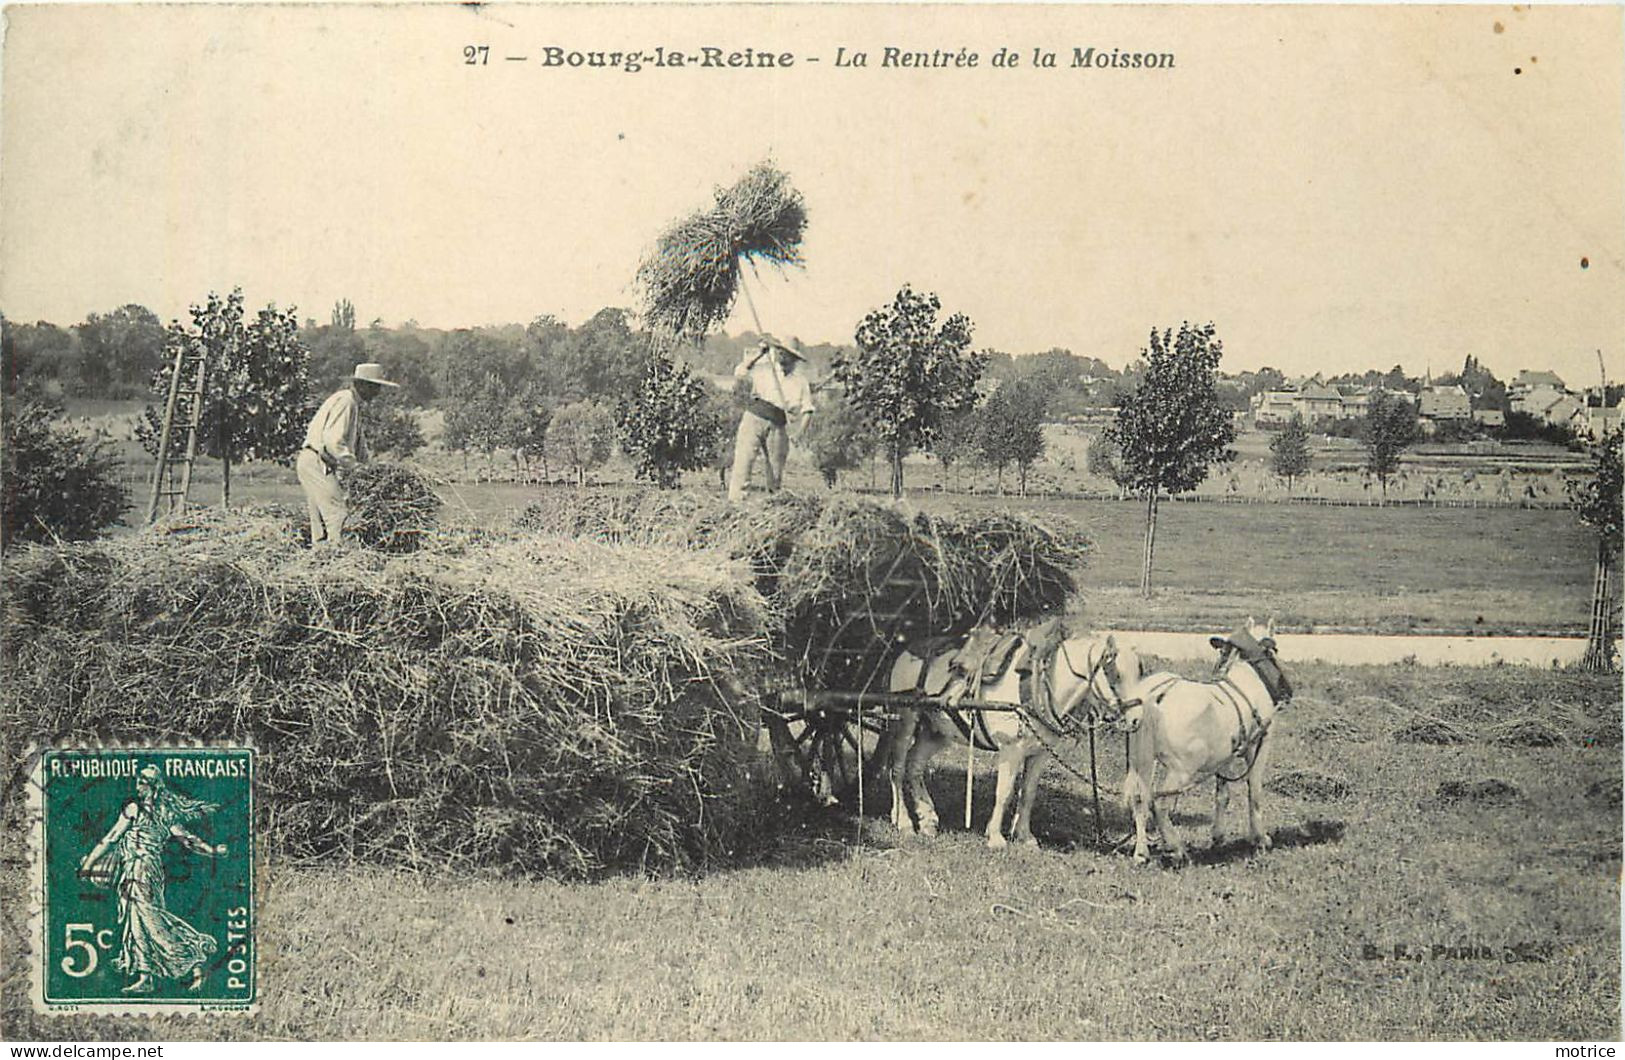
x=770 y=341
x=372 y=372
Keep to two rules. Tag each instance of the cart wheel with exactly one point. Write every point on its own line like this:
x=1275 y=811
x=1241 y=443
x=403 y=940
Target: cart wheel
x=817 y=751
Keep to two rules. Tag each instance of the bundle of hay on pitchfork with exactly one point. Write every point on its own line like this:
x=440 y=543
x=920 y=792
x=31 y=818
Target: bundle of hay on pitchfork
x=693 y=277
x=690 y=283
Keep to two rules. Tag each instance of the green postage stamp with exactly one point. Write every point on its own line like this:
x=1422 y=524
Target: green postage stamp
x=144 y=880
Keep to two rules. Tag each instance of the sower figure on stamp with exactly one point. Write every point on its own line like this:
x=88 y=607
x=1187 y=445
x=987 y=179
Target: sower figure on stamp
x=778 y=391
x=334 y=442
x=153 y=942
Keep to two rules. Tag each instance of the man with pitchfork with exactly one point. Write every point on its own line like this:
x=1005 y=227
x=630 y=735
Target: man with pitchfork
x=778 y=391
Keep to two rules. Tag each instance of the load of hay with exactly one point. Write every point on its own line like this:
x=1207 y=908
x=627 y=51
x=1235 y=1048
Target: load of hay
x=392 y=507
x=849 y=578
x=691 y=279
x=517 y=704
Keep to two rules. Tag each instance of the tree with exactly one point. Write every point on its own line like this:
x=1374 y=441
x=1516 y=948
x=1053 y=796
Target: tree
x=603 y=359
x=254 y=395
x=470 y=358
x=476 y=417
x=665 y=425
x=334 y=353
x=1390 y=428
x=1289 y=451
x=581 y=436
x=1106 y=460
x=1596 y=501
x=838 y=438
x=955 y=443
x=389 y=428
x=118 y=352
x=408 y=360
x=1171 y=430
x=46 y=355
x=58 y=484
x=907 y=375
x=343 y=317
x=1012 y=429
x=525 y=424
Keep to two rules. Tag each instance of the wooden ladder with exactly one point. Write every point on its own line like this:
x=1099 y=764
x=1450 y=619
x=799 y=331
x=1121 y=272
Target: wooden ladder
x=186 y=385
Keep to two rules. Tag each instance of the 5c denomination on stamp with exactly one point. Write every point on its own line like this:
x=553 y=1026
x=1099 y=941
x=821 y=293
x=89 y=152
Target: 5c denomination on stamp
x=144 y=880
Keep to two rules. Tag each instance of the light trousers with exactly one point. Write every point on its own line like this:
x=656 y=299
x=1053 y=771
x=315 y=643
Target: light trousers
x=748 y=445
x=324 y=497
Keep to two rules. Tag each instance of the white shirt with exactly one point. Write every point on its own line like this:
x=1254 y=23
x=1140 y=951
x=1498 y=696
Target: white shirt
x=792 y=393
x=336 y=428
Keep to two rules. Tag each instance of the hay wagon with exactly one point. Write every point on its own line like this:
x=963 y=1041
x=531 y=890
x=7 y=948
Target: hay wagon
x=830 y=717
x=850 y=582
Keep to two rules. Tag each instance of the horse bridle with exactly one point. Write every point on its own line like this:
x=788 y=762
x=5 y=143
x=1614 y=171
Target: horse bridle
x=1281 y=692
x=1106 y=664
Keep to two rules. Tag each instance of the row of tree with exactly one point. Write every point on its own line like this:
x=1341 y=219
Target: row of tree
x=114 y=355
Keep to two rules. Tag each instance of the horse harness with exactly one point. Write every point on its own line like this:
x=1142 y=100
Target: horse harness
x=1247 y=745
x=1243 y=745
x=986 y=656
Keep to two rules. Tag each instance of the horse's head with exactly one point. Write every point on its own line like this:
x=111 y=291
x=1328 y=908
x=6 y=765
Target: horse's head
x=1254 y=643
x=1111 y=680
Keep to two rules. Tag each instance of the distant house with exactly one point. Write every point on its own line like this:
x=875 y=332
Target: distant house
x=1490 y=417
x=1446 y=403
x=1318 y=402
x=1313 y=401
x=1594 y=423
x=1275 y=408
x=1561 y=412
x=1535 y=402
x=1532 y=380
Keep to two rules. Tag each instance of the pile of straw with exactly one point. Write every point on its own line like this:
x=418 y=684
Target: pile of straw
x=392 y=508
x=691 y=279
x=1309 y=784
x=533 y=706
x=1492 y=791
x=1429 y=729
x=849 y=578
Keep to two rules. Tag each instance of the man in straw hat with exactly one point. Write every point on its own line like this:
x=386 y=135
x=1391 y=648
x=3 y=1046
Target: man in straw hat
x=333 y=442
x=778 y=391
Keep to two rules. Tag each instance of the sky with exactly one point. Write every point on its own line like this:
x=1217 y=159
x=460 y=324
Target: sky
x=1335 y=188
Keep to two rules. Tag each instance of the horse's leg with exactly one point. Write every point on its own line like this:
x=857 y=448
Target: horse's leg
x=1164 y=819
x=1009 y=763
x=1137 y=792
x=902 y=742
x=1022 y=831
x=1256 y=832
x=1221 y=799
x=927 y=742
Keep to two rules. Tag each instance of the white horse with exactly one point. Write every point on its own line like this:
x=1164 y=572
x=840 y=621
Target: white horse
x=1197 y=729
x=1086 y=677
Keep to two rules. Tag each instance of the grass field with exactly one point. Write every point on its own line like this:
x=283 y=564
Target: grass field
x=1391 y=570
x=1379 y=844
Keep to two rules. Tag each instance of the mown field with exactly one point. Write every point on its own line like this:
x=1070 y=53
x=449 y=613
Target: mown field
x=1504 y=849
